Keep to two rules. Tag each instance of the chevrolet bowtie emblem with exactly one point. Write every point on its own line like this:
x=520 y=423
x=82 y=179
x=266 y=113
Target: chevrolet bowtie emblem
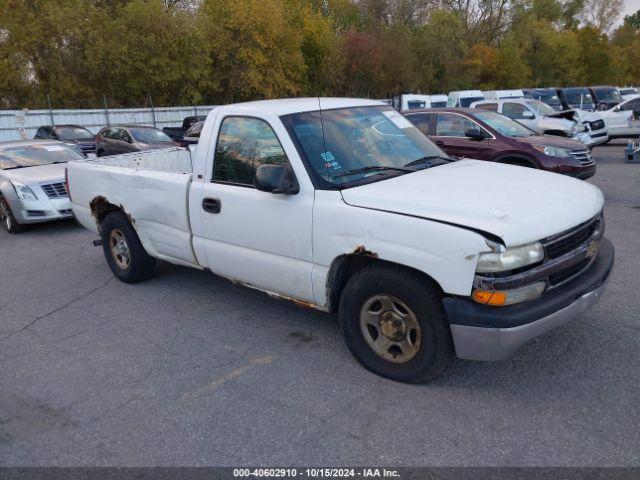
x=592 y=248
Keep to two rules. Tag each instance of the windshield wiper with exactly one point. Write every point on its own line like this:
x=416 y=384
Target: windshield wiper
x=372 y=168
x=428 y=159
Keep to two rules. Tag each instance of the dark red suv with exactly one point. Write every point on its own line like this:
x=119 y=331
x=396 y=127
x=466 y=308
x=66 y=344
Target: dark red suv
x=485 y=135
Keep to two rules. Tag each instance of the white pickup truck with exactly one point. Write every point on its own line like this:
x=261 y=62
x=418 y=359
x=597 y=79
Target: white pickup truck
x=344 y=206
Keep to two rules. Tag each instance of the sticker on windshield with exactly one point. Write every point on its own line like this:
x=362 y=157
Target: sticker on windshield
x=53 y=148
x=397 y=119
x=330 y=161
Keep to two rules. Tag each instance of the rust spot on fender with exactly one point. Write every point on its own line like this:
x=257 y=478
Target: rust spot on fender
x=362 y=250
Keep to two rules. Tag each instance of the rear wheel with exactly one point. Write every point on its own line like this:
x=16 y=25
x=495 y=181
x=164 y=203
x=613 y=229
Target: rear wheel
x=7 y=219
x=123 y=250
x=394 y=324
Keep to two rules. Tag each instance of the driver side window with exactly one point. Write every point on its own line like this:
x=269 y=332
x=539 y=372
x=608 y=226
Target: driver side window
x=245 y=143
x=514 y=111
x=453 y=125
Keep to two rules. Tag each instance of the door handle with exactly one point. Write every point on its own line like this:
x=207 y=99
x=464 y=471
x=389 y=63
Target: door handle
x=211 y=205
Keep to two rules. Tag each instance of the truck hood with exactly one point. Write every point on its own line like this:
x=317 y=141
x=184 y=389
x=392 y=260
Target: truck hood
x=33 y=175
x=517 y=204
x=552 y=122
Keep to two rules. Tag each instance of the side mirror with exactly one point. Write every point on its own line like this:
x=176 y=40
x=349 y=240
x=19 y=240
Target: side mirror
x=475 y=135
x=528 y=115
x=276 y=179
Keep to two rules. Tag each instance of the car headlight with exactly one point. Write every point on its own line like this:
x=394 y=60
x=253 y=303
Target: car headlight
x=22 y=191
x=510 y=258
x=553 y=151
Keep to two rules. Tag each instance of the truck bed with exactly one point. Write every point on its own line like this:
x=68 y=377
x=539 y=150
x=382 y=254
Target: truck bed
x=172 y=160
x=151 y=188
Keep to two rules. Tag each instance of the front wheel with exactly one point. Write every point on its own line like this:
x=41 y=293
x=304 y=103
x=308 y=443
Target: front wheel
x=394 y=324
x=7 y=219
x=126 y=256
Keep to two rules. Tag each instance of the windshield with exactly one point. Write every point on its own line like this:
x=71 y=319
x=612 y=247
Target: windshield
x=74 y=133
x=36 y=155
x=609 y=95
x=416 y=104
x=550 y=98
x=504 y=125
x=579 y=96
x=628 y=91
x=367 y=139
x=465 y=102
x=149 y=135
x=539 y=107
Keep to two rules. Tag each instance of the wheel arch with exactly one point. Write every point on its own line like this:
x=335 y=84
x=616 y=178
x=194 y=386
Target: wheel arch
x=345 y=266
x=516 y=158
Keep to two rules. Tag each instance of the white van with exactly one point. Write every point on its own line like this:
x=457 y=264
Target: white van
x=414 y=101
x=498 y=94
x=464 y=98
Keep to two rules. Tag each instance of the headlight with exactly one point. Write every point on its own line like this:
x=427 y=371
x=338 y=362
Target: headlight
x=553 y=151
x=509 y=297
x=510 y=259
x=22 y=191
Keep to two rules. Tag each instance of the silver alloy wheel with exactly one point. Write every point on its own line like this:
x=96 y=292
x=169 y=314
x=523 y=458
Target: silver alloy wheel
x=5 y=215
x=390 y=328
x=119 y=249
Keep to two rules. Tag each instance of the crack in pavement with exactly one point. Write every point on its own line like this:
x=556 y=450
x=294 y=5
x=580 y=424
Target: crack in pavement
x=55 y=310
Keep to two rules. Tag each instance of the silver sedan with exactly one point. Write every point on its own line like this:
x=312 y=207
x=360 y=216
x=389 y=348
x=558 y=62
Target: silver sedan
x=32 y=182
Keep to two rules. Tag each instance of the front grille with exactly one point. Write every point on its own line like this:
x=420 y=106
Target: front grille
x=88 y=147
x=561 y=277
x=55 y=190
x=572 y=240
x=597 y=125
x=583 y=156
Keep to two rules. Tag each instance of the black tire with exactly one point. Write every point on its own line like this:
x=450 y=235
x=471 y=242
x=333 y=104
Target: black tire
x=422 y=297
x=9 y=222
x=140 y=265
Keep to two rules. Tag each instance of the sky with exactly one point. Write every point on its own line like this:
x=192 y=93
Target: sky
x=630 y=6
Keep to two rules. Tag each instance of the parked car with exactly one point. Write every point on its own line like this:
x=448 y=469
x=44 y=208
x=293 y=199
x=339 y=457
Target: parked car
x=344 y=206
x=497 y=94
x=32 y=183
x=484 y=135
x=130 y=138
x=576 y=98
x=605 y=97
x=623 y=120
x=76 y=136
x=586 y=127
x=627 y=93
x=192 y=135
x=463 y=98
x=412 y=101
x=176 y=133
x=546 y=95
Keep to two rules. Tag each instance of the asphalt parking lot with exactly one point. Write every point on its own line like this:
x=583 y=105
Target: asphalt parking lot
x=189 y=369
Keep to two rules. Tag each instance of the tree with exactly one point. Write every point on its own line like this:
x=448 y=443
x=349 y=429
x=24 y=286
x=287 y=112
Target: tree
x=633 y=20
x=601 y=14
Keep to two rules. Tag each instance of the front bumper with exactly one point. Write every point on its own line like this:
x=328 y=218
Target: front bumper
x=41 y=210
x=488 y=333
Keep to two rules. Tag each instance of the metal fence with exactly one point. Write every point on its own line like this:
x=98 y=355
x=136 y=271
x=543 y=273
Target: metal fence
x=19 y=124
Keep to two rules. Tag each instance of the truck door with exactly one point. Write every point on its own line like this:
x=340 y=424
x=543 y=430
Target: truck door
x=258 y=238
x=521 y=113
